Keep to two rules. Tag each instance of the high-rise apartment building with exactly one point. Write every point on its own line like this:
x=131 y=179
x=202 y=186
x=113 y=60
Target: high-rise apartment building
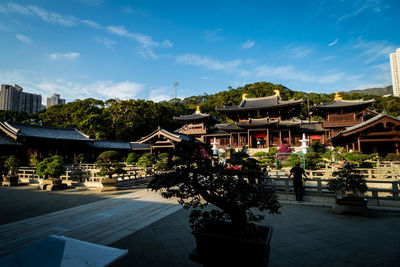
x=395 y=66
x=12 y=98
x=55 y=100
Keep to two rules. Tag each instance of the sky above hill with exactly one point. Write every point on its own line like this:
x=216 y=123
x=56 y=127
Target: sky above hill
x=138 y=49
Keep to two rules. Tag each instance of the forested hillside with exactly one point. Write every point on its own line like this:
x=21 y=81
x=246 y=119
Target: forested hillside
x=132 y=119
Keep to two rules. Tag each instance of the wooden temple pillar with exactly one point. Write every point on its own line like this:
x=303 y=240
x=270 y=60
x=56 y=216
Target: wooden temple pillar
x=280 y=138
x=248 y=138
x=290 y=137
x=231 y=140
x=347 y=147
x=353 y=146
x=267 y=137
x=238 y=139
x=359 y=144
x=397 y=148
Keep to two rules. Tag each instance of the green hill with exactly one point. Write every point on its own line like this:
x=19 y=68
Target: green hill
x=388 y=90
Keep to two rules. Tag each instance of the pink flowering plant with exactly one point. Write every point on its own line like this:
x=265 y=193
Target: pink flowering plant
x=283 y=152
x=196 y=182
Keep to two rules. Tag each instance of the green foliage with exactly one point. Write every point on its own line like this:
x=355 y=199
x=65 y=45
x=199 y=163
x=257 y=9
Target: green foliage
x=347 y=178
x=81 y=158
x=51 y=168
x=260 y=154
x=109 y=163
x=391 y=157
x=163 y=161
x=146 y=160
x=132 y=158
x=359 y=158
x=335 y=154
x=12 y=164
x=292 y=160
x=317 y=147
x=196 y=182
x=313 y=161
x=238 y=158
x=33 y=159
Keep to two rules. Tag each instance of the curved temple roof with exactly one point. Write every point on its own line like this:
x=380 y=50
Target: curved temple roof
x=14 y=130
x=260 y=103
x=344 y=104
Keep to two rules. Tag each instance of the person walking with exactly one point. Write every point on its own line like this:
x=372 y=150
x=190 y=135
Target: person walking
x=298 y=174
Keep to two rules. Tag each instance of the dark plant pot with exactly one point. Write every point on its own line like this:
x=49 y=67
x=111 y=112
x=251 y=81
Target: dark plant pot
x=352 y=201
x=10 y=180
x=351 y=205
x=222 y=250
x=109 y=184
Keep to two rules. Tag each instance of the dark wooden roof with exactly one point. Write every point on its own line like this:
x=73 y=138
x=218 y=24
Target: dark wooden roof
x=268 y=102
x=7 y=141
x=139 y=146
x=368 y=123
x=340 y=104
x=16 y=130
x=105 y=144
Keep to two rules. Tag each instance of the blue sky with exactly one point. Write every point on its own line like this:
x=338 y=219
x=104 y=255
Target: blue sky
x=138 y=49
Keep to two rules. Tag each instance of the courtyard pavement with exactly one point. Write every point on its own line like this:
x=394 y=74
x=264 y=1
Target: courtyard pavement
x=304 y=235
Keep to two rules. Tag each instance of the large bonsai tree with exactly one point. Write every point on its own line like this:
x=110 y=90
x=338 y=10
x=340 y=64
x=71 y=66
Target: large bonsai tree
x=51 y=168
x=197 y=182
x=347 y=178
x=109 y=163
x=132 y=158
x=12 y=164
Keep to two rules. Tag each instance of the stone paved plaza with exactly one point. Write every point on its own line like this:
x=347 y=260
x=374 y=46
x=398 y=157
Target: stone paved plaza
x=304 y=235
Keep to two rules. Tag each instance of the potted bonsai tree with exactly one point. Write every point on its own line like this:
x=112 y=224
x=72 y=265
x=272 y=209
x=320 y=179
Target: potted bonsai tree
x=348 y=185
x=109 y=164
x=11 y=165
x=227 y=234
x=51 y=169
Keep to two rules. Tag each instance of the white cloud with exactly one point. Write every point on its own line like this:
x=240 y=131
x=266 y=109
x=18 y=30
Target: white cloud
x=248 y=44
x=374 y=6
x=213 y=35
x=328 y=58
x=23 y=38
x=122 y=90
x=68 y=56
x=107 y=42
x=160 y=94
x=91 y=23
x=374 y=50
x=144 y=40
x=298 y=51
x=334 y=42
x=209 y=63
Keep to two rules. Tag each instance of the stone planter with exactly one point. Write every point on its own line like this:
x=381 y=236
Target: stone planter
x=10 y=180
x=350 y=205
x=109 y=184
x=222 y=250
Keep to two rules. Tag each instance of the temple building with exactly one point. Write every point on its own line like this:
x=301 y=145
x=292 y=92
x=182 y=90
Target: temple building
x=379 y=134
x=340 y=113
x=196 y=124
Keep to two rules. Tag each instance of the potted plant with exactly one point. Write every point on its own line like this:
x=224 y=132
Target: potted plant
x=146 y=160
x=227 y=234
x=11 y=165
x=348 y=185
x=51 y=169
x=109 y=163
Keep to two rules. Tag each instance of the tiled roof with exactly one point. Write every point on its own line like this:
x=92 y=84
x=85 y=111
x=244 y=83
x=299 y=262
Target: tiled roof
x=344 y=104
x=110 y=145
x=257 y=122
x=7 y=141
x=227 y=126
x=27 y=130
x=194 y=116
x=139 y=146
x=260 y=103
x=166 y=133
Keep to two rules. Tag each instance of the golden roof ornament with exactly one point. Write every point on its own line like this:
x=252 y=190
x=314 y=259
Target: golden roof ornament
x=337 y=96
x=244 y=97
x=198 y=110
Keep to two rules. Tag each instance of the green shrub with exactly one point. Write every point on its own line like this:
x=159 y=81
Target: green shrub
x=163 y=161
x=313 y=161
x=51 y=168
x=109 y=163
x=260 y=154
x=132 y=158
x=392 y=157
x=347 y=178
x=317 y=147
x=12 y=164
x=292 y=160
x=146 y=160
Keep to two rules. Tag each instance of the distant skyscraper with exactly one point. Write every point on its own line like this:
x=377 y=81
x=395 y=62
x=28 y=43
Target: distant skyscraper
x=12 y=98
x=55 y=100
x=395 y=66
